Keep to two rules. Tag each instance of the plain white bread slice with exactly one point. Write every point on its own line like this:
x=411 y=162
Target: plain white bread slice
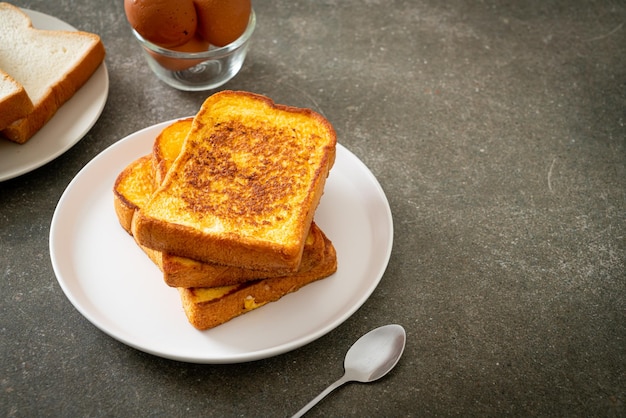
x=51 y=65
x=14 y=101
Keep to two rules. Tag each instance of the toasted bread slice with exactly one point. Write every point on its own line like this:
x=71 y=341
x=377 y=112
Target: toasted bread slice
x=51 y=65
x=167 y=146
x=132 y=190
x=14 y=101
x=244 y=189
x=185 y=272
x=208 y=307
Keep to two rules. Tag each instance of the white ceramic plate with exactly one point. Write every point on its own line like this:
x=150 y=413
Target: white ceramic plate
x=68 y=126
x=115 y=286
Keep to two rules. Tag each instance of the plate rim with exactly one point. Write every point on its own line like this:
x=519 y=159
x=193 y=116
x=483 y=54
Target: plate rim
x=253 y=355
x=40 y=160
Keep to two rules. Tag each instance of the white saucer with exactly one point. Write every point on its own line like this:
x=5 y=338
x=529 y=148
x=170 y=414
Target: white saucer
x=115 y=286
x=68 y=126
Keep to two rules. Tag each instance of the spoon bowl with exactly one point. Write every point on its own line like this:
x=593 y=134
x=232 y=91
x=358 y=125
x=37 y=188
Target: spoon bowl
x=371 y=357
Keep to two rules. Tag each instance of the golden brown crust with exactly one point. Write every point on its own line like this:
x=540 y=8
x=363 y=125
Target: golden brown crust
x=132 y=187
x=15 y=105
x=245 y=186
x=185 y=272
x=204 y=313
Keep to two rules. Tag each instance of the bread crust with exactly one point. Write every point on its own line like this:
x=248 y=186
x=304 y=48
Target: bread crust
x=14 y=105
x=61 y=90
x=185 y=272
x=190 y=216
x=132 y=188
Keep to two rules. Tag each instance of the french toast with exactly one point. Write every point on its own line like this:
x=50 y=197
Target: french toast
x=133 y=188
x=185 y=272
x=245 y=186
x=208 y=307
x=242 y=290
x=167 y=146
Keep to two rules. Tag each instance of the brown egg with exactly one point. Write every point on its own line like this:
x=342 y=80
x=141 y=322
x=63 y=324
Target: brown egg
x=195 y=44
x=222 y=21
x=166 y=23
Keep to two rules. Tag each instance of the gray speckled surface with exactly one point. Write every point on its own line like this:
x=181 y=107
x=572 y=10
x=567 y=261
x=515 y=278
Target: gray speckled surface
x=497 y=130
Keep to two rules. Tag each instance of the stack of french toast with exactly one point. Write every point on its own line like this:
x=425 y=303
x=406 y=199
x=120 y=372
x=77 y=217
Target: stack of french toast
x=224 y=204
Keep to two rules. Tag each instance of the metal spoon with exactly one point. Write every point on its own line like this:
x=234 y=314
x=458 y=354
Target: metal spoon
x=371 y=357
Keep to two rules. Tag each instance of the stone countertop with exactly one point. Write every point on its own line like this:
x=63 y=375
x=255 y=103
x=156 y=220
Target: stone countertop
x=497 y=131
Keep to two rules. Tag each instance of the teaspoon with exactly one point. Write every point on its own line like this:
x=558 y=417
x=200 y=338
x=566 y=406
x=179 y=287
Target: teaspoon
x=371 y=357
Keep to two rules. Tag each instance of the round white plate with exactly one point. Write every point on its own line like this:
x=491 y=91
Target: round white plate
x=114 y=285
x=68 y=126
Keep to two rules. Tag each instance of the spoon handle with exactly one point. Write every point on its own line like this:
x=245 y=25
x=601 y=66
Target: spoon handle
x=321 y=396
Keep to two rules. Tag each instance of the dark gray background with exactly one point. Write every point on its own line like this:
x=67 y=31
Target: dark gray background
x=497 y=130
